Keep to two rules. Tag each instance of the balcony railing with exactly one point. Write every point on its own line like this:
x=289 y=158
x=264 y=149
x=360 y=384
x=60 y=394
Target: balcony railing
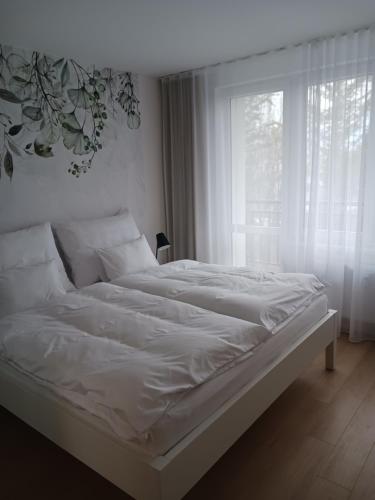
x=260 y=240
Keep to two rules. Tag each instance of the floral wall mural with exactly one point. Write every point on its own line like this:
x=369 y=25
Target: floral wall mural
x=46 y=101
x=72 y=142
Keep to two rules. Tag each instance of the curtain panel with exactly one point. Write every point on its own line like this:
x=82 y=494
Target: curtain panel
x=178 y=171
x=278 y=168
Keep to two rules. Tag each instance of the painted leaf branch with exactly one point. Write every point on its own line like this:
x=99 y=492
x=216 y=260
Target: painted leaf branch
x=59 y=99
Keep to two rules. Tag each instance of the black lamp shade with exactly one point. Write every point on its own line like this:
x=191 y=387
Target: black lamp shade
x=162 y=242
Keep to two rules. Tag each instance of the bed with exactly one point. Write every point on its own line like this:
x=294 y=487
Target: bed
x=147 y=389
x=197 y=430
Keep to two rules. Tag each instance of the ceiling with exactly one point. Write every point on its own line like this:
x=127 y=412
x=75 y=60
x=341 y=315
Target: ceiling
x=157 y=37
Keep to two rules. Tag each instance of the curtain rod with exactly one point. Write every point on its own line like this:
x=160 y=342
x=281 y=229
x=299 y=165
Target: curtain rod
x=265 y=52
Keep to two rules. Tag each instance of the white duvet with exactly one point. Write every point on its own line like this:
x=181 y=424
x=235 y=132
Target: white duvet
x=268 y=299
x=125 y=356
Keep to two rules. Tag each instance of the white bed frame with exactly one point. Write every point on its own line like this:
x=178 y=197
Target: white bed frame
x=169 y=477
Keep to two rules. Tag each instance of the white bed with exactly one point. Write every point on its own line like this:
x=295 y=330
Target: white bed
x=125 y=356
x=196 y=405
x=193 y=425
x=146 y=390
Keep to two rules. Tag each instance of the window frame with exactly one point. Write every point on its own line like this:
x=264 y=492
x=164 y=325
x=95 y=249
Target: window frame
x=295 y=88
x=224 y=98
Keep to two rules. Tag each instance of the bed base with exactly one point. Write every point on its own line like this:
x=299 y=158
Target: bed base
x=169 y=477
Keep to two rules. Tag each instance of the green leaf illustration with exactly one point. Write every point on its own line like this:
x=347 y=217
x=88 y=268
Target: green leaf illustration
x=18 y=66
x=45 y=64
x=16 y=129
x=20 y=87
x=65 y=74
x=80 y=97
x=14 y=148
x=57 y=64
x=69 y=122
x=49 y=132
x=73 y=136
x=134 y=121
x=6 y=95
x=33 y=113
x=42 y=150
x=8 y=164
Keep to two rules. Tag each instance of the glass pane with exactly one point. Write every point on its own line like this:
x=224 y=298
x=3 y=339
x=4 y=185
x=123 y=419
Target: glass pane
x=337 y=122
x=256 y=134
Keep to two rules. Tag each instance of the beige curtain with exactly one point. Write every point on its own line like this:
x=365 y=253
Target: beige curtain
x=178 y=164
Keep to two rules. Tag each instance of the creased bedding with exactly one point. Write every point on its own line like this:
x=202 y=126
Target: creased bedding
x=268 y=299
x=124 y=355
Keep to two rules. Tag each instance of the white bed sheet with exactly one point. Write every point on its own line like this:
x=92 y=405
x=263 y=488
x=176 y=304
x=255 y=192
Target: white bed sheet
x=124 y=355
x=202 y=401
x=263 y=298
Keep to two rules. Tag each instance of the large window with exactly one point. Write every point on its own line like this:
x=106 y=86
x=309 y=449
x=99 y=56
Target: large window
x=270 y=140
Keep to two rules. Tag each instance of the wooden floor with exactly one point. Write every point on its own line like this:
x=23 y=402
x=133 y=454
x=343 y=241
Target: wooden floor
x=316 y=442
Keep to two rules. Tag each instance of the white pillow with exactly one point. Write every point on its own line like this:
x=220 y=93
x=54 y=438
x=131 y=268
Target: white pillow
x=80 y=240
x=128 y=258
x=25 y=287
x=30 y=246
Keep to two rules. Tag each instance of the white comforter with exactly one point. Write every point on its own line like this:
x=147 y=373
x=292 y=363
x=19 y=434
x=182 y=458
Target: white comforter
x=124 y=355
x=268 y=299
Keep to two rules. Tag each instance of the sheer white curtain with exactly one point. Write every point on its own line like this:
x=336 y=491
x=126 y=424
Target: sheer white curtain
x=284 y=167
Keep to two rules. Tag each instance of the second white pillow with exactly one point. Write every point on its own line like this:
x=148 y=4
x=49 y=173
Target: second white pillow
x=127 y=258
x=80 y=239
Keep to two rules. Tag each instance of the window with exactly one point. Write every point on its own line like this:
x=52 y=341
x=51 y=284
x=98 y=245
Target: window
x=257 y=163
x=337 y=117
x=269 y=150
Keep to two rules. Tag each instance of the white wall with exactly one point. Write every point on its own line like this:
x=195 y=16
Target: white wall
x=152 y=157
x=41 y=190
